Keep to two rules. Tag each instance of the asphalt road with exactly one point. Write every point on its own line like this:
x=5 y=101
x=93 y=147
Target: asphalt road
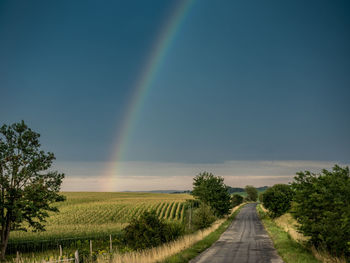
x=245 y=241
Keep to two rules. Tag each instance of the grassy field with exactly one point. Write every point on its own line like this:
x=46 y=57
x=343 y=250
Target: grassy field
x=89 y=214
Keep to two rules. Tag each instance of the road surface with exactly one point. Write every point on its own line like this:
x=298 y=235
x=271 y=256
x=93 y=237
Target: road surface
x=245 y=241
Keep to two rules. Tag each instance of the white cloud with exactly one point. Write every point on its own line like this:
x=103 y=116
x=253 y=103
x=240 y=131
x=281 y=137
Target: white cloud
x=142 y=176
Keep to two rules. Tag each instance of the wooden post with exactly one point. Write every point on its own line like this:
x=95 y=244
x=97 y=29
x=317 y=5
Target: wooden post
x=190 y=217
x=17 y=257
x=76 y=256
x=91 y=248
x=110 y=243
x=60 y=251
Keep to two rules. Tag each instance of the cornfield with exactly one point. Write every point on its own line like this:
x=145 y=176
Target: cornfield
x=94 y=216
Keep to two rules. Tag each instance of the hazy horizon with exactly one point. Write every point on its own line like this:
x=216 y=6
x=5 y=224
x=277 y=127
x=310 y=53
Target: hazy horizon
x=147 y=176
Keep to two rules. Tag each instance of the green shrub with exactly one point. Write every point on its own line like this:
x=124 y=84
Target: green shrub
x=322 y=207
x=203 y=217
x=173 y=230
x=277 y=199
x=149 y=231
x=252 y=193
x=236 y=200
x=261 y=197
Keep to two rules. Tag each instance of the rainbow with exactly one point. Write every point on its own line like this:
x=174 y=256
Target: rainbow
x=149 y=73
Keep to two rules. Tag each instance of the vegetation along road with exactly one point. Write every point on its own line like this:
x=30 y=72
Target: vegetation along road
x=245 y=241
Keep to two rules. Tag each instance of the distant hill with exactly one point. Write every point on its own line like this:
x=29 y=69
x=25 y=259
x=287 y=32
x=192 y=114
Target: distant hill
x=164 y=191
x=231 y=190
x=241 y=190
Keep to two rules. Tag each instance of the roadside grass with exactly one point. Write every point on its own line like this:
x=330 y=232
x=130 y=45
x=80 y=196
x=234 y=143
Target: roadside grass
x=290 y=250
x=191 y=252
x=287 y=223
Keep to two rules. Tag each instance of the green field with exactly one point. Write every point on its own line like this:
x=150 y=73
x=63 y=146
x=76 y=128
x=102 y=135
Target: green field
x=89 y=214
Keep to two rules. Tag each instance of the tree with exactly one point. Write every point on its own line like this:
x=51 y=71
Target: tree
x=236 y=200
x=252 y=193
x=322 y=208
x=212 y=191
x=261 y=197
x=27 y=189
x=277 y=199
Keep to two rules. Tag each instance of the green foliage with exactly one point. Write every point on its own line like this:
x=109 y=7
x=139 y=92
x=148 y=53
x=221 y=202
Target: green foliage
x=236 y=200
x=252 y=193
x=290 y=250
x=277 y=199
x=261 y=197
x=203 y=217
x=149 y=231
x=322 y=207
x=212 y=191
x=27 y=189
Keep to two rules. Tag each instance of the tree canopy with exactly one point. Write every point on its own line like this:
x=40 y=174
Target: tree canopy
x=212 y=191
x=236 y=200
x=252 y=193
x=277 y=199
x=27 y=188
x=322 y=208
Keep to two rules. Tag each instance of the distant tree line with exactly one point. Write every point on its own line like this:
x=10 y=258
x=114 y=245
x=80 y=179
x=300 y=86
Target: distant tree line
x=233 y=190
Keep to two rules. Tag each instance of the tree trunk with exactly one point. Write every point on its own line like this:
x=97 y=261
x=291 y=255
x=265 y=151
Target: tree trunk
x=5 y=240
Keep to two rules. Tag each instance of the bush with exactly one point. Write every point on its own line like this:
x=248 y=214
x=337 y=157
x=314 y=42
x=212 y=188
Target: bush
x=277 y=199
x=252 y=193
x=322 y=207
x=212 y=191
x=203 y=217
x=149 y=231
x=236 y=200
x=261 y=197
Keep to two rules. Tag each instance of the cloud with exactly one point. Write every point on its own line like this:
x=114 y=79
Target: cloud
x=143 y=176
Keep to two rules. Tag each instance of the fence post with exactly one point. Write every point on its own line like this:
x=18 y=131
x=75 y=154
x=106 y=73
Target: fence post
x=76 y=256
x=91 y=248
x=17 y=257
x=60 y=251
x=110 y=243
x=190 y=217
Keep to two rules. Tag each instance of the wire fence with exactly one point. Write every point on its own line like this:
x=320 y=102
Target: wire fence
x=28 y=246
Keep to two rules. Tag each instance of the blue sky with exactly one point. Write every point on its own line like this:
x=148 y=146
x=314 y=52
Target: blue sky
x=242 y=80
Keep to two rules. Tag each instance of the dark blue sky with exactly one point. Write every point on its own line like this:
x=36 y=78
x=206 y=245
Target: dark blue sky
x=243 y=80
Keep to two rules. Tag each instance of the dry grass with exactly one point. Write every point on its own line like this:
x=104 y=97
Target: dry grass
x=162 y=252
x=290 y=225
x=324 y=256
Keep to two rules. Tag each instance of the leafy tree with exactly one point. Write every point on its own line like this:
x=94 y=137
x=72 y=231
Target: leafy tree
x=252 y=193
x=236 y=200
x=27 y=189
x=203 y=217
x=277 y=199
x=212 y=191
x=322 y=208
x=261 y=197
x=149 y=231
